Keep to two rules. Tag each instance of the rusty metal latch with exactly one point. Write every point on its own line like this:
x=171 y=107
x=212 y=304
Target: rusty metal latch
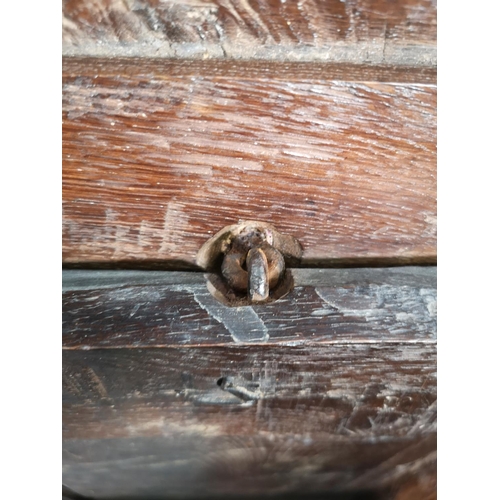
x=247 y=263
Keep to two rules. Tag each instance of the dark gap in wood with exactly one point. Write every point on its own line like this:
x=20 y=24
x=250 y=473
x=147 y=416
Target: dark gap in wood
x=339 y=263
x=144 y=265
x=85 y=279
x=183 y=265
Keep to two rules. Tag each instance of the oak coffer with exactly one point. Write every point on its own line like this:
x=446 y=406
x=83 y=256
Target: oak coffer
x=249 y=249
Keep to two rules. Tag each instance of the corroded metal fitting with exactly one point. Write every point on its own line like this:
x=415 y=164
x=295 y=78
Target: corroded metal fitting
x=248 y=263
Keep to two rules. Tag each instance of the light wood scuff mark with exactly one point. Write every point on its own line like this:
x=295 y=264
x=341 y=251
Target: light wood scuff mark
x=243 y=323
x=175 y=228
x=97 y=383
x=412 y=310
x=143 y=423
x=84 y=380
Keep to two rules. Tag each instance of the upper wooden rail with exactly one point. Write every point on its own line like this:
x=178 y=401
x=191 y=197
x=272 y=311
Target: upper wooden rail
x=157 y=159
x=361 y=31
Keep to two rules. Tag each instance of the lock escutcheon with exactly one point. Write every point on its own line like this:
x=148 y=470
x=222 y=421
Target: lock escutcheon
x=247 y=263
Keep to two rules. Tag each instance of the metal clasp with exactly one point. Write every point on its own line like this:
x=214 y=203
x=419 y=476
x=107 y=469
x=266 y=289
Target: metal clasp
x=248 y=263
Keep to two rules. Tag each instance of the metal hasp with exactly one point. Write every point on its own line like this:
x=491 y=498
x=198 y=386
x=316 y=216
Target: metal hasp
x=247 y=263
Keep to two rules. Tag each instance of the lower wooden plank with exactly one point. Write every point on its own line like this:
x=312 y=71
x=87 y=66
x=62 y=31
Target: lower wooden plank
x=284 y=466
x=141 y=309
x=253 y=420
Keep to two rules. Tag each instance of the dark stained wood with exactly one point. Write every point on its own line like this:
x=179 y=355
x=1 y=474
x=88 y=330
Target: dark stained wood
x=154 y=164
x=214 y=467
x=345 y=371
x=363 y=31
x=319 y=418
x=423 y=487
x=101 y=310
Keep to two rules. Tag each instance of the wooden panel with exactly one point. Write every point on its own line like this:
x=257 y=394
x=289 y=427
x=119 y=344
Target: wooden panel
x=154 y=163
x=295 y=419
x=326 y=306
x=365 y=31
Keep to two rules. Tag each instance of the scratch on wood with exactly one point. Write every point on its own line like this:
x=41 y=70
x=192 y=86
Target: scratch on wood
x=431 y=221
x=176 y=221
x=408 y=307
x=98 y=383
x=243 y=323
x=144 y=424
x=424 y=422
x=72 y=386
x=411 y=458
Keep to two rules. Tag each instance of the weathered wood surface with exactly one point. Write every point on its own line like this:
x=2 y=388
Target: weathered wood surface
x=362 y=31
x=143 y=309
x=348 y=410
x=154 y=164
x=298 y=419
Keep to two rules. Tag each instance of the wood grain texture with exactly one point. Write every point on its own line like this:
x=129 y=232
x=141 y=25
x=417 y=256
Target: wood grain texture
x=227 y=68
x=328 y=306
x=156 y=422
x=362 y=31
x=154 y=164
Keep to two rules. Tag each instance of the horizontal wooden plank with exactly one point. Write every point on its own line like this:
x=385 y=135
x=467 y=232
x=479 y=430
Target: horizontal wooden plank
x=154 y=164
x=202 y=422
x=227 y=68
x=112 y=309
x=365 y=31
x=174 y=376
